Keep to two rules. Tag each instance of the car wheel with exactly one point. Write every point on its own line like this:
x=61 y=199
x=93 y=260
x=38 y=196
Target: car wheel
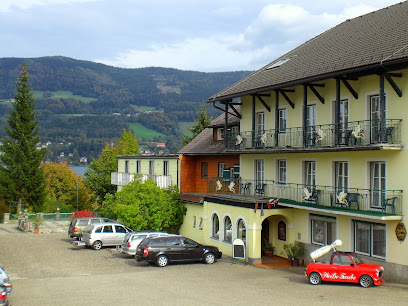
x=315 y=278
x=97 y=245
x=209 y=258
x=162 y=261
x=366 y=281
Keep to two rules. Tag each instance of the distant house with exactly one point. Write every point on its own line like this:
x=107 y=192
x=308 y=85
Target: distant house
x=160 y=145
x=83 y=160
x=62 y=154
x=163 y=169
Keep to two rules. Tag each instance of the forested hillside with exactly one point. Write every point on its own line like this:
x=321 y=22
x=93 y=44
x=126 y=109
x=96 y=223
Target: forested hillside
x=83 y=105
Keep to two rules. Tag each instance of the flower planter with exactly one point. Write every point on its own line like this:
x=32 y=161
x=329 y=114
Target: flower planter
x=36 y=231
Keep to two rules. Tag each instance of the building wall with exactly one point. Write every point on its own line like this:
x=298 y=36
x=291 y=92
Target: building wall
x=191 y=179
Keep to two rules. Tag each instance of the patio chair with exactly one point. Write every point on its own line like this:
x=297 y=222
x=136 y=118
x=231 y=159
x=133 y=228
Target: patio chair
x=260 y=189
x=389 y=202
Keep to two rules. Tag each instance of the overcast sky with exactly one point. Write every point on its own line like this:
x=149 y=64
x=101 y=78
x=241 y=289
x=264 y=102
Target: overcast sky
x=202 y=35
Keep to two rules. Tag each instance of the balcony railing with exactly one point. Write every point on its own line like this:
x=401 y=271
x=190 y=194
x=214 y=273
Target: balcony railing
x=356 y=199
x=351 y=134
x=122 y=179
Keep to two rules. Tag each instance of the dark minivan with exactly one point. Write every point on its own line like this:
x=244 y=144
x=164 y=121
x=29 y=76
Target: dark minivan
x=165 y=250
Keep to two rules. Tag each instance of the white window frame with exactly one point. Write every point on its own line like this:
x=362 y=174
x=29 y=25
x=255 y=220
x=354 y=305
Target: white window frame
x=138 y=166
x=259 y=171
x=225 y=229
x=341 y=176
x=377 y=183
x=221 y=167
x=260 y=123
x=241 y=230
x=282 y=123
x=324 y=222
x=166 y=167
x=369 y=237
x=151 y=167
x=281 y=165
x=220 y=134
x=214 y=233
x=309 y=175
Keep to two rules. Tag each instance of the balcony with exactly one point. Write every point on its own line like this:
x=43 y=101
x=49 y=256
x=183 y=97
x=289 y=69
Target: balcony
x=378 y=203
x=122 y=179
x=354 y=134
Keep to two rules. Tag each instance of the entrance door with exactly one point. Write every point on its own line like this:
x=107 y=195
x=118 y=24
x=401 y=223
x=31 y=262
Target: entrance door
x=265 y=233
x=377 y=119
x=311 y=124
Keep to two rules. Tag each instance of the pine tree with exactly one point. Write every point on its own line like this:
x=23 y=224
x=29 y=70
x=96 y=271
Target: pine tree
x=21 y=175
x=203 y=120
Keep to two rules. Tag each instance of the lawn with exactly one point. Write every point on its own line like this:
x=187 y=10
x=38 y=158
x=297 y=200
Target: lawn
x=64 y=94
x=141 y=131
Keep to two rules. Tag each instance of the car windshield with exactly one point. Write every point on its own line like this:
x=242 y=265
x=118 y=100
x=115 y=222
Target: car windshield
x=138 y=237
x=357 y=260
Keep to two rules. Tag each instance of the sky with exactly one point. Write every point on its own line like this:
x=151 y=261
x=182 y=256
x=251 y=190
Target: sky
x=207 y=36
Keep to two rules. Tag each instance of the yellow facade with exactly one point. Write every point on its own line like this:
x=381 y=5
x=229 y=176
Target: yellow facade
x=344 y=224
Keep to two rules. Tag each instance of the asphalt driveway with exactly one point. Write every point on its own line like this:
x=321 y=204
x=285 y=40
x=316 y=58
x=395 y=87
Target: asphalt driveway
x=46 y=270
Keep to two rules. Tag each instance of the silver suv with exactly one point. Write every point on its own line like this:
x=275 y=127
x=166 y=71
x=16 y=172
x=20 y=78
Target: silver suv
x=77 y=225
x=132 y=240
x=104 y=234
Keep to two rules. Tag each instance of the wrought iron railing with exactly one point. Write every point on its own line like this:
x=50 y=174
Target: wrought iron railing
x=122 y=179
x=358 y=199
x=356 y=133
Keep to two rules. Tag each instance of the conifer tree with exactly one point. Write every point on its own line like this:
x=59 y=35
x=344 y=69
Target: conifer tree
x=203 y=120
x=21 y=175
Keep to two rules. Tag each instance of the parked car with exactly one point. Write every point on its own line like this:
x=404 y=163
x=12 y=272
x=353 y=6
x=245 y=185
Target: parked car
x=345 y=267
x=5 y=281
x=165 y=250
x=3 y=296
x=104 y=234
x=132 y=240
x=78 y=224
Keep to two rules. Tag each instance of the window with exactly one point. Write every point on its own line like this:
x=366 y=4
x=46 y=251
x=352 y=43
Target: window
x=241 y=230
x=377 y=184
x=234 y=131
x=259 y=172
x=341 y=176
x=282 y=231
x=215 y=233
x=279 y=62
x=260 y=123
x=138 y=166
x=204 y=169
x=200 y=225
x=281 y=166
x=166 y=167
x=151 y=167
x=126 y=166
x=323 y=229
x=343 y=115
x=221 y=167
x=120 y=229
x=377 y=115
x=220 y=134
x=310 y=174
x=194 y=221
x=227 y=230
x=282 y=120
x=108 y=229
x=370 y=239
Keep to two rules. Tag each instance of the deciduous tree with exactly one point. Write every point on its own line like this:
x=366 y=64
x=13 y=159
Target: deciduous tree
x=21 y=175
x=62 y=189
x=145 y=206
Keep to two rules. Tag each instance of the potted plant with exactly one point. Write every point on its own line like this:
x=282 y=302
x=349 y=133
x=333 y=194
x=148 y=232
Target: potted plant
x=294 y=251
x=38 y=221
x=267 y=248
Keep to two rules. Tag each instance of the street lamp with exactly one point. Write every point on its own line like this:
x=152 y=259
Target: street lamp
x=76 y=185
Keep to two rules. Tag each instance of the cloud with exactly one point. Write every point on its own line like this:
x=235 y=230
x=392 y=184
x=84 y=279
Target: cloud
x=7 y=5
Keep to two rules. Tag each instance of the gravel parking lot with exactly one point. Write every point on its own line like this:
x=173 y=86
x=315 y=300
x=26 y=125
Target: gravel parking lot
x=46 y=270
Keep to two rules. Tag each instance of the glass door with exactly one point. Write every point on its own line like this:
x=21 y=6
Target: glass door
x=377 y=184
x=376 y=118
x=343 y=121
x=311 y=124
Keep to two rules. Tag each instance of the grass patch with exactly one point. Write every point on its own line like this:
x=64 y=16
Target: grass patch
x=141 y=131
x=138 y=108
x=64 y=94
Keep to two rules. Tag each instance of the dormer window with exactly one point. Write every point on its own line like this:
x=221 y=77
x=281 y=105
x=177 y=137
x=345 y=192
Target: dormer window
x=279 y=63
x=220 y=134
